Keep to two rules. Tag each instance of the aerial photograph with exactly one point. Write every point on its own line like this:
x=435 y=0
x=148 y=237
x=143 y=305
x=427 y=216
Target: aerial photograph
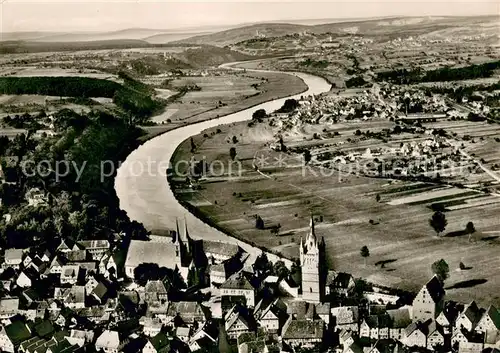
x=250 y=176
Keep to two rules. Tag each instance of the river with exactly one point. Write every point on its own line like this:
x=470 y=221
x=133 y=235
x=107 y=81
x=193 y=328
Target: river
x=141 y=184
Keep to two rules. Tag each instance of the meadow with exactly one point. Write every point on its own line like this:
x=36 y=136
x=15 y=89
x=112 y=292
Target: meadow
x=396 y=230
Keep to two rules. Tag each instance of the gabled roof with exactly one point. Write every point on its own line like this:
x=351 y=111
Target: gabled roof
x=435 y=289
x=160 y=342
x=13 y=255
x=304 y=329
x=400 y=317
x=237 y=281
x=494 y=315
x=108 y=339
x=345 y=314
x=100 y=290
x=17 y=332
x=241 y=314
x=472 y=312
x=220 y=248
x=378 y=321
x=155 y=287
x=188 y=311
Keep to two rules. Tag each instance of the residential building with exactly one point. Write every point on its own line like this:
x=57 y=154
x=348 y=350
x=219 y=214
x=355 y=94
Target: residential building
x=429 y=301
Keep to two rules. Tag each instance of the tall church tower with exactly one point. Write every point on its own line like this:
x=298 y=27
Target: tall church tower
x=310 y=257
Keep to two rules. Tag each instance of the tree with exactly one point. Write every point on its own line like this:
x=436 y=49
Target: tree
x=470 y=229
x=235 y=140
x=438 y=222
x=259 y=222
x=289 y=106
x=280 y=269
x=364 y=252
x=307 y=156
x=377 y=197
x=232 y=153
x=262 y=265
x=259 y=115
x=441 y=270
x=193 y=145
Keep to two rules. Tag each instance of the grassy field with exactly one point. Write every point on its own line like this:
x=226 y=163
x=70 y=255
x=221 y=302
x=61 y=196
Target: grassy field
x=398 y=235
x=202 y=105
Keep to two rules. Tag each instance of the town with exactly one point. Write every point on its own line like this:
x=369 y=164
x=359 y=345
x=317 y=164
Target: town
x=173 y=293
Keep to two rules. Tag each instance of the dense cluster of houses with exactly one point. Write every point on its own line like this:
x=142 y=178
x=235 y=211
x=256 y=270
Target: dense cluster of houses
x=98 y=295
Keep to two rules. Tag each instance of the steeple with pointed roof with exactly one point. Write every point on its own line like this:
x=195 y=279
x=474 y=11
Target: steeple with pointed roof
x=310 y=264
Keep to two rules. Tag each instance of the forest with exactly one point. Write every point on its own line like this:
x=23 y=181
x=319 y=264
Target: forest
x=133 y=97
x=81 y=206
x=404 y=76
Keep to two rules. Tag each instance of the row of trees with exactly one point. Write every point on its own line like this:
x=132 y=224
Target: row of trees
x=404 y=76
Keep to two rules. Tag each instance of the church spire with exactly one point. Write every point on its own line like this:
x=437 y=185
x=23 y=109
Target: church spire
x=312 y=232
x=186 y=235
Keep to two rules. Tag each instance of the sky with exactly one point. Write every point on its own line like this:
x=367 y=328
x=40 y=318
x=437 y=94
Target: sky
x=109 y=15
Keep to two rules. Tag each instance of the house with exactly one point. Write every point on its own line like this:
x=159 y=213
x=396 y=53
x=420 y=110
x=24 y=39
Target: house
x=429 y=301
x=304 y=333
x=66 y=245
x=183 y=333
x=490 y=321
x=187 y=312
x=55 y=266
x=80 y=337
x=91 y=284
x=386 y=346
x=13 y=258
x=375 y=327
x=400 y=320
x=238 y=285
x=345 y=317
x=74 y=298
x=448 y=317
x=217 y=274
x=271 y=314
x=339 y=283
x=157 y=344
x=8 y=307
x=96 y=248
x=435 y=336
x=110 y=342
x=218 y=252
x=70 y=274
x=26 y=278
x=347 y=337
x=415 y=335
x=354 y=348
x=11 y=336
x=100 y=292
x=36 y=197
x=205 y=336
x=155 y=291
x=151 y=326
x=239 y=320
x=323 y=310
x=469 y=317
x=467 y=342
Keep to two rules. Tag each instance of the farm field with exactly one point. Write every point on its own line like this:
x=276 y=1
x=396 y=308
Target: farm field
x=346 y=209
x=202 y=105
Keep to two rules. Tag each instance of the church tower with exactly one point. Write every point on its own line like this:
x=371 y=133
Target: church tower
x=310 y=257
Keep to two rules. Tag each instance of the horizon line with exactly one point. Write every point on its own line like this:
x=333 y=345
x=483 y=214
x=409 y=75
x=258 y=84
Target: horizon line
x=221 y=28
